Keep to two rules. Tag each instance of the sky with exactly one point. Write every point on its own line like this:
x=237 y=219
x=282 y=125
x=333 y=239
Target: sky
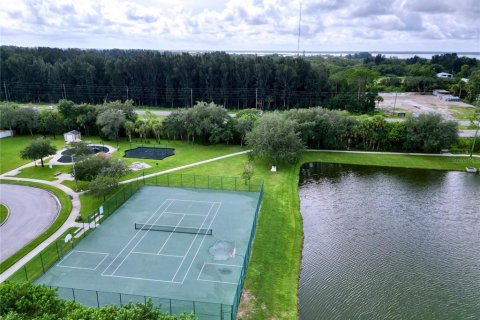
x=326 y=25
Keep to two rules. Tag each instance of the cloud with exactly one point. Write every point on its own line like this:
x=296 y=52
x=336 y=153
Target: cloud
x=428 y=6
x=246 y=24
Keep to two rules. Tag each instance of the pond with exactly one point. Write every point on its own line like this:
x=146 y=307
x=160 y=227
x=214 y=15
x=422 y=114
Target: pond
x=387 y=243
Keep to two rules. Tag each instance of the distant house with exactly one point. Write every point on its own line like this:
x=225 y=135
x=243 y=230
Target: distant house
x=464 y=80
x=72 y=136
x=444 y=75
x=440 y=92
x=450 y=98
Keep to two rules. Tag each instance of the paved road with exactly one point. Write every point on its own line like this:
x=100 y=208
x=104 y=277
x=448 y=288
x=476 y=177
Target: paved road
x=32 y=211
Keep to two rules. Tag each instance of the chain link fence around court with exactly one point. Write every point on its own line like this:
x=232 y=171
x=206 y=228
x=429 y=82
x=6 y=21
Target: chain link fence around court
x=60 y=248
x=205 y=182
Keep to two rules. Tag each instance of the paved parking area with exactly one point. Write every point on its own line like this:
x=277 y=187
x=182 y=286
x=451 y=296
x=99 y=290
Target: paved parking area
x=32 y=211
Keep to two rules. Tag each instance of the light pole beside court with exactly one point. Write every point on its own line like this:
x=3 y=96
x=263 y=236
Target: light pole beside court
x=74 y=173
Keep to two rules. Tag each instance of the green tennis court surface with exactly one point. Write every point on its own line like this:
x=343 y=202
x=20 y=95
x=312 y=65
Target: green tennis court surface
x=186 y=253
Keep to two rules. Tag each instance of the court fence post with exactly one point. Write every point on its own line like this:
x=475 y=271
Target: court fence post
x=145 y=299
x=73 y=295
x=181 y=180
x=194 y=182
x=235 y=184
x=98 y=302
x=193 y=307
x=26 y=273
x=168 y=180
x=221 y=182
x=41 y=260
x=208 y=182
x=58 y=252
x=156 y=183
x=170 y=300
x=121 y=304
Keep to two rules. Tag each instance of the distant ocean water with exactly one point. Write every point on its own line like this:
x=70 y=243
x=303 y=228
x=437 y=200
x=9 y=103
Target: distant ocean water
x=398 y=54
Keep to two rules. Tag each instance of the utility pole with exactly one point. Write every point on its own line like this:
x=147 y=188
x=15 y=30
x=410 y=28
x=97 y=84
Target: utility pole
x=256 y=98
x=127 y=92
x=64 y=92
x=395 y=102
x=299 y=22
x=5 y=87
x=475 y=138
x=191 y=97
x=74 y=173
x=476 y=131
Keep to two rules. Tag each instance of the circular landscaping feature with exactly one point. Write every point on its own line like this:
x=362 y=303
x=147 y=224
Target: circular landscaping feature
x=149 y=153
x=32 y=211
x=65 y=156
x=3 y=213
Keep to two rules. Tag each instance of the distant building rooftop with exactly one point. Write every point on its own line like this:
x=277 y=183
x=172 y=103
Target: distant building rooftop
x=444 y=75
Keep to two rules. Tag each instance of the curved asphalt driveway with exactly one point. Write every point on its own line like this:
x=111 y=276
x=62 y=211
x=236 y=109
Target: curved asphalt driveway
x=32 y=211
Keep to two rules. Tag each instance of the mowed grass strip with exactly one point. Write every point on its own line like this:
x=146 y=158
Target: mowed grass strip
x=10 y=150
x=185 y=153
x=44 y=173
x=3 y=213
x=66 y=208
x=45 y=259
x=271 y=288
x=395 y=160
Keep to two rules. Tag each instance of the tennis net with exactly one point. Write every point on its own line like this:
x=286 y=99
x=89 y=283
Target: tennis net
x=156 y=227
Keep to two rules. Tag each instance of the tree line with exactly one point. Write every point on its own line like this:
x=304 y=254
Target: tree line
x=281 y=137
x=174 y=79
x=208 y=123
x=411 y=74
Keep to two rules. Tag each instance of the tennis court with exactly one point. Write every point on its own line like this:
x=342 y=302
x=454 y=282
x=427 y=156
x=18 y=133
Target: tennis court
x=182 y=247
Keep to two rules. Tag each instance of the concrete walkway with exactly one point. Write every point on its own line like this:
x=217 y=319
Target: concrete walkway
x=70 y=222
x=186 y=166
x=396 y=153
x=76 y=200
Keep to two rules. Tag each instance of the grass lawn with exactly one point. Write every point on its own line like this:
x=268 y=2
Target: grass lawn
x=185 y=153
x=82 y=185
x=43 y=173
x=35 y=267
x=462 y=113
x=3 y=213
x=66 y=208
x=10 y=150
x=271 y=287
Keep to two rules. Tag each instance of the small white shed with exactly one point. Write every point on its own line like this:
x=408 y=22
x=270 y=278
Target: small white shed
x=72 y=136
x=6 y=133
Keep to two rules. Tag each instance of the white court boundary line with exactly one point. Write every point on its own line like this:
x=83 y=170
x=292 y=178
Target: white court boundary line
x=187 y=214
x=201 y=243
x=218 y=264
x=157 y=254
x=139 y=241
x=90 y=252
x=193 y=241
x=134 y=236
x=170 y=235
